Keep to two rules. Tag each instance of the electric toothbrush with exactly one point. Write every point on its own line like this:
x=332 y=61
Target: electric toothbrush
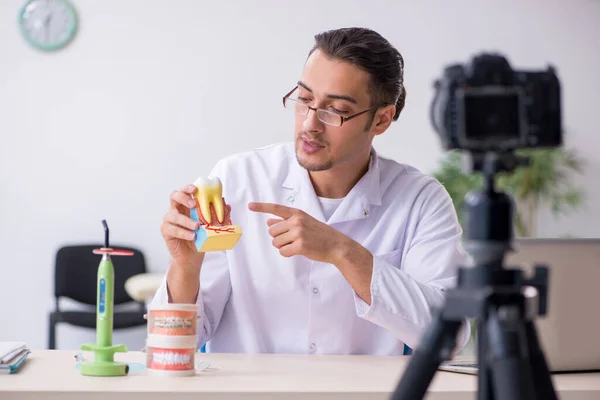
x=103 y=363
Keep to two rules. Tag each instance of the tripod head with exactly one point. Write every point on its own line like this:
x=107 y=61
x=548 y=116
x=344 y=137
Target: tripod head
x=489 y=223
x=489 y=230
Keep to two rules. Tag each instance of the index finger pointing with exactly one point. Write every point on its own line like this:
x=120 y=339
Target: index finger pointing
x=271 y=208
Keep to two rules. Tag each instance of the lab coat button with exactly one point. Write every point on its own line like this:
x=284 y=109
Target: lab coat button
x=315 y=290
x=313 y=346
x=291 y=199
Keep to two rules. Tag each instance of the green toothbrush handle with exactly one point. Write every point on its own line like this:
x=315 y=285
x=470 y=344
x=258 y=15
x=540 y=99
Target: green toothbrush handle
x=105 y=301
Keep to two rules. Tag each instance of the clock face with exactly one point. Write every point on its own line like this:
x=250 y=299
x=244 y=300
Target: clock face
x=48 y=24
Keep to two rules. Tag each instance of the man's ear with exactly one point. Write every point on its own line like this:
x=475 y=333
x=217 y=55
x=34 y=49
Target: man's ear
x=383 y=118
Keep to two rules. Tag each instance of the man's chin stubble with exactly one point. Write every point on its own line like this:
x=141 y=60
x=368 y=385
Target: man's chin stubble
x=311 y=167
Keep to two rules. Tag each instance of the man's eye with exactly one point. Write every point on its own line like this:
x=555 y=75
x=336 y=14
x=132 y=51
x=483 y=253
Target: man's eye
x=303 y=99
x=338 y=111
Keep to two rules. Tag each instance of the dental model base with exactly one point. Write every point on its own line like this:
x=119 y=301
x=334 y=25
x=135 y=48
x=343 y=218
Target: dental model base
x=103 y=363
x=216 y=231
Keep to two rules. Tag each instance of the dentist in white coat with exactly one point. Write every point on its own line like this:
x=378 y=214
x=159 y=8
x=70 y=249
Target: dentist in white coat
x=343 y=251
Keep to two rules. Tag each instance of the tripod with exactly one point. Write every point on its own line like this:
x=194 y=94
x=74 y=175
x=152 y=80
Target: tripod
x=511 y=363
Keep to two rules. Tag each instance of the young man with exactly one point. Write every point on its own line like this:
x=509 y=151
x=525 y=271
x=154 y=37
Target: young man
x=343 y=251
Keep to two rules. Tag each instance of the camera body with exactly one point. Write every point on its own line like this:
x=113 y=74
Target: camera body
x=486 y=106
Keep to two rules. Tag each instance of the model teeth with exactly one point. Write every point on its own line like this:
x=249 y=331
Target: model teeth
x=171 y=358
x=210 y=190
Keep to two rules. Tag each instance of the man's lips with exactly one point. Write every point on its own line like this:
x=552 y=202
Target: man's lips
x=312 y=143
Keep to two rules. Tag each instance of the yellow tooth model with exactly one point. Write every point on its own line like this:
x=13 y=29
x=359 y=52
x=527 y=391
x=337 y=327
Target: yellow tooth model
x=216 y=232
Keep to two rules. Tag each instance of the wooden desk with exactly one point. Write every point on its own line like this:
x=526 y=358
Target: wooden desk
x=52 y=374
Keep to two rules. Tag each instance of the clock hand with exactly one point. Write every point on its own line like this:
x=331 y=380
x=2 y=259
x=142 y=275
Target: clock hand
x=47 y=25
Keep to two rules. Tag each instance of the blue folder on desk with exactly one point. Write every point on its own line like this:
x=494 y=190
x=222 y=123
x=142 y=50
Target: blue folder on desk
x=15 y=364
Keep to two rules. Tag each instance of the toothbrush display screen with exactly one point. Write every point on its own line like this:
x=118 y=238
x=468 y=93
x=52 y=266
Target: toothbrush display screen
x=102 y=296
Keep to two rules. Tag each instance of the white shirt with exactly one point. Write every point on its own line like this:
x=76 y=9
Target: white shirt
x=253 y=300
x=328 y=206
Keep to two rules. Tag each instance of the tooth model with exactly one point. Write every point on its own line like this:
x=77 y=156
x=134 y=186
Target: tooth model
x=216 y=231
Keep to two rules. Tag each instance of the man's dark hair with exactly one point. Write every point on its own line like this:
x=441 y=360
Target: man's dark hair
x=371 y=52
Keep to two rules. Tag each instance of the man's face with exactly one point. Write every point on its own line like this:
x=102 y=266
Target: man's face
x=342 y=88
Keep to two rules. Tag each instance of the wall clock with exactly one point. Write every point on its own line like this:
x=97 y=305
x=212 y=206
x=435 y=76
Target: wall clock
x=48 y=24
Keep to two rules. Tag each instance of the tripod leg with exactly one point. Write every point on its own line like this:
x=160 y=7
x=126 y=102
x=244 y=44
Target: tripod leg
x=437 y=344
x=483 y=375
x=508 y=356
x=542 y=378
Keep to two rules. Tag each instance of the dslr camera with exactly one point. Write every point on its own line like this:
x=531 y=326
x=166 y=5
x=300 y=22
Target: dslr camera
x=486 y=106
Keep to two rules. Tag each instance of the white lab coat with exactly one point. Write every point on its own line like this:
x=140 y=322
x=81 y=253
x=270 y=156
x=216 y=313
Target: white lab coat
x=253 y=300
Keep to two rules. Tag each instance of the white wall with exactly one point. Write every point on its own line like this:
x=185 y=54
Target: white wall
x=152 y=93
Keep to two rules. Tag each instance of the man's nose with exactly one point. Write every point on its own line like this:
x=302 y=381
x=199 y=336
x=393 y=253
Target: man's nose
x=312 y=123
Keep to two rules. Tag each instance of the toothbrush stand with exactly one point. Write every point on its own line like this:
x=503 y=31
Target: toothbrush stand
x=103 y=363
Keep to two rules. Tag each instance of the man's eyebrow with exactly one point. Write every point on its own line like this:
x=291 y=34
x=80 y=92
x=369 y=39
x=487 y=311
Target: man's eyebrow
x=331 y=96
x=300 y=83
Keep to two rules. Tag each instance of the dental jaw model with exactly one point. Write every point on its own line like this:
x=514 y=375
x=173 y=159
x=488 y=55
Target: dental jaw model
x=216 y=232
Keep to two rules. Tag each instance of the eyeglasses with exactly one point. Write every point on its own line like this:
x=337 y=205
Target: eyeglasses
x=325 y=116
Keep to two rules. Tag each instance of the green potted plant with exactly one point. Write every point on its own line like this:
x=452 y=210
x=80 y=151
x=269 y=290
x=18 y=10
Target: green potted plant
x=545 y=182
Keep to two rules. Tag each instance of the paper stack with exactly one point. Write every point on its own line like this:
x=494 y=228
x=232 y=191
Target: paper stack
x=12 y=355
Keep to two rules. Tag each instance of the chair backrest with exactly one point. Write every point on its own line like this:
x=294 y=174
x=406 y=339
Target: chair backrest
x=76 y=271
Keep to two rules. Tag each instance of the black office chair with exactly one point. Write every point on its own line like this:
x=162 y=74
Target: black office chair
x=75 y=277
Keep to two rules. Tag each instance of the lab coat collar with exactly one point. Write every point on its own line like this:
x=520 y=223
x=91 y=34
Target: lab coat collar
x=356 y=205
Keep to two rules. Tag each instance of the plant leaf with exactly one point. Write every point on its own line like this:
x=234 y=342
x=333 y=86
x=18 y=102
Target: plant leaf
x=546 y=182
